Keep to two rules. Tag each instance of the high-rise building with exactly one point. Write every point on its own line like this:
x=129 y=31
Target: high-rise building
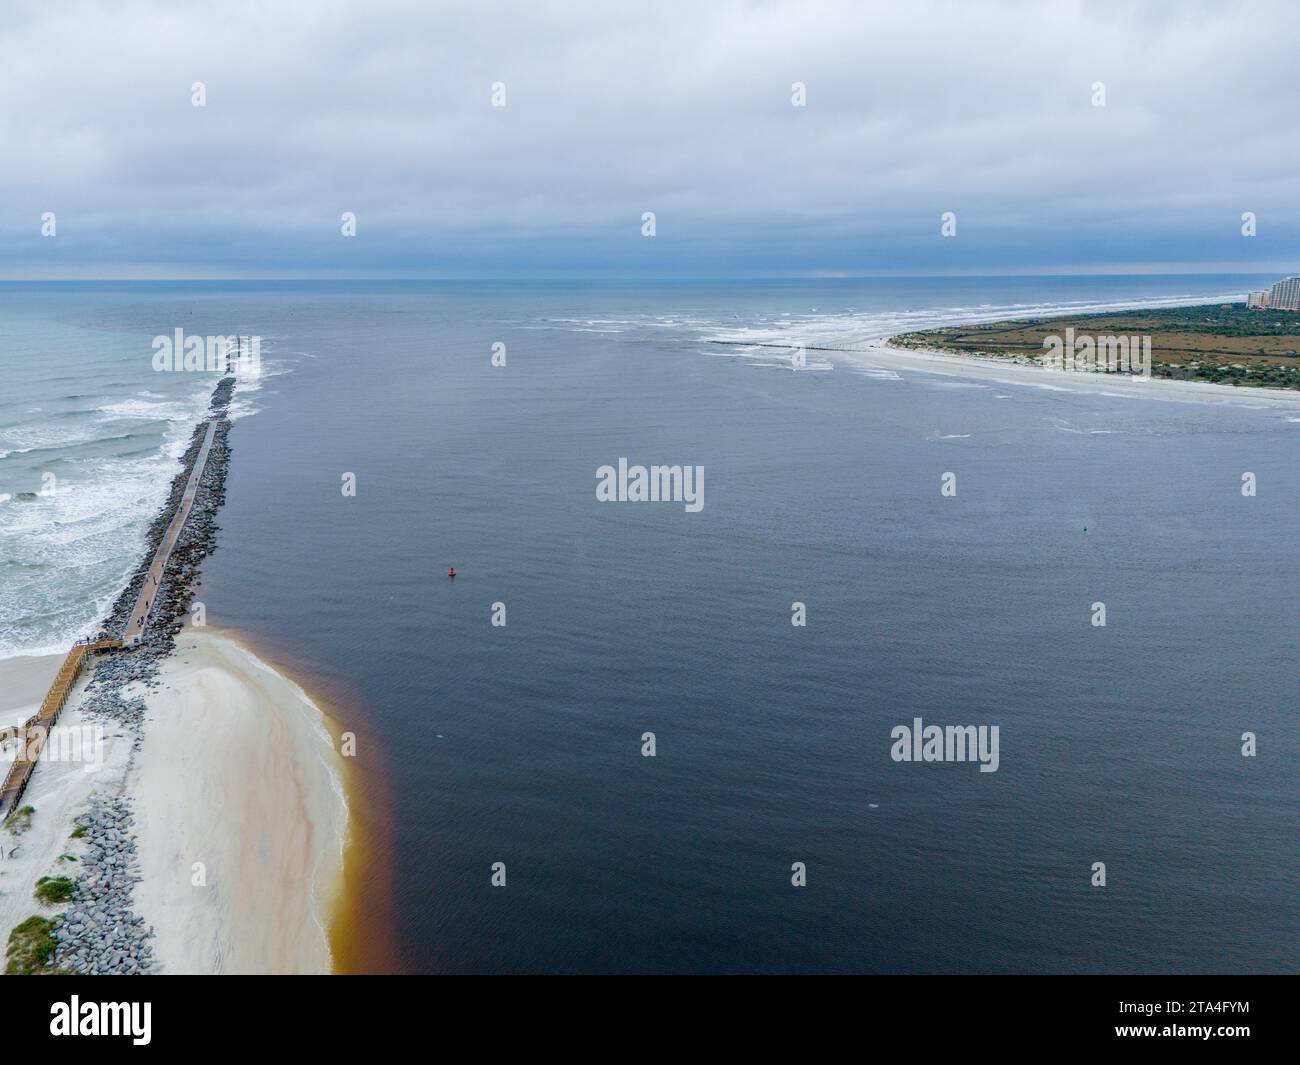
x=1257 y=301
x=1285 y=295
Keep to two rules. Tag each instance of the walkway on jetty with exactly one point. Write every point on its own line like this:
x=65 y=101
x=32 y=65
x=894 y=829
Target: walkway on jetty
x=32 y=733
x=139 y=618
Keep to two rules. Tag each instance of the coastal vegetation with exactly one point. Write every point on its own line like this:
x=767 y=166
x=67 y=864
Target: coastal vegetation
x=1221 y=343
x=31 y=947
x=53 y=890
x=20 y=820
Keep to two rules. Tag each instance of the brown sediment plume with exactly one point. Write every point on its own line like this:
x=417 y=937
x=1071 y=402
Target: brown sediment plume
x=362 y=921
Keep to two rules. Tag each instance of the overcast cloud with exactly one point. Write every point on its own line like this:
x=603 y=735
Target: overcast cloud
x=684 y=109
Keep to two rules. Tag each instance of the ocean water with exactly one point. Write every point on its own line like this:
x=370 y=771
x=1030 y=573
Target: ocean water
x=522 y=744
x=90 y=438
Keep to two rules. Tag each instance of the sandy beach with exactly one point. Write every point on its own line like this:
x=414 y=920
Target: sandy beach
x=236 y=771
x=23 y=683
x=1005 y=371
x=58 y=793
x=241 y=816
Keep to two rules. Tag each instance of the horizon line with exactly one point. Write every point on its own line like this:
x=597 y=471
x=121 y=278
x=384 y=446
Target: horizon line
x=628 y=278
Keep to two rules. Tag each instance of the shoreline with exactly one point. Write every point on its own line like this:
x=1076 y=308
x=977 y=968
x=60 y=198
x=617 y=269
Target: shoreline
x=170 y=719
x=164 y=792
x=1220 y=343
x=241 y=872
x=362 y=923
x=1203 y=370
x=1006 y=371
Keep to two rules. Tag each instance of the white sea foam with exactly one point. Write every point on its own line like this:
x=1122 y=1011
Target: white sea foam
x=67 y=553
x=147 y=409
x=854 y=329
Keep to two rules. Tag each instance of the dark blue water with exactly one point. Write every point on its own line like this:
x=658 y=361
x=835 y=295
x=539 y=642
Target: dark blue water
x=523 y=744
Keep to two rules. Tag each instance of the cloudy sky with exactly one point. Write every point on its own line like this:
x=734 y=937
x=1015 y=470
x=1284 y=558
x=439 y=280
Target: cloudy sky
x=613 y=109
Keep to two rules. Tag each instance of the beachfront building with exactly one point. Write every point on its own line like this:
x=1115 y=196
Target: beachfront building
x=1285 y=295
x=1257 y=301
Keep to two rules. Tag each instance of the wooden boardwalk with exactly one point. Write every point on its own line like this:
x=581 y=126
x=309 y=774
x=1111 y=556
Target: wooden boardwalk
x=30 y=736
x=32 y=733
